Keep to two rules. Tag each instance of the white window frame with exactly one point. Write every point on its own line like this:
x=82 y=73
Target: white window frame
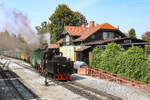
x=93 y=36
x=111 y=35
x=70 y=52
x=105 y=35
x=67 y=39
x=65 y=52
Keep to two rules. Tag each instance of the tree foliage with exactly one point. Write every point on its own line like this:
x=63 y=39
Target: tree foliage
x=96 y=57
x=82 y=19
x=63 y=15
x=13 y=42
x=146 y=36
x=132 y=63
x=41 y=31
x=132 y=33
x=43 y=28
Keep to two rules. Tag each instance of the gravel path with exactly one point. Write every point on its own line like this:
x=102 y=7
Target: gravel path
x=124 y=92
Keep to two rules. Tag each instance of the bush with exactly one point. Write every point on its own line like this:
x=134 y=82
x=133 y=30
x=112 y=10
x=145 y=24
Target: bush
x=96 y=57
x=147 y=71
x=109 y=57
x=132 y=63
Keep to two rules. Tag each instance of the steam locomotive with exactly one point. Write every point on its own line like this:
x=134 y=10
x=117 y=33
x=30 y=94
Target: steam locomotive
x=55 y=65
x=48 y=62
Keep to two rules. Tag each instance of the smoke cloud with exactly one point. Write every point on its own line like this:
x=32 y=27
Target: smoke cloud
x=15 y=22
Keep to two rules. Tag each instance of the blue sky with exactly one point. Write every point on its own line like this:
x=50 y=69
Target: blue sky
x=125 y=13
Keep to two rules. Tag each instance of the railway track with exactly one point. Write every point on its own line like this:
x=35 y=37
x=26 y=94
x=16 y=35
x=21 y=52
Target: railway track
x=12 y=89
x=87 y=92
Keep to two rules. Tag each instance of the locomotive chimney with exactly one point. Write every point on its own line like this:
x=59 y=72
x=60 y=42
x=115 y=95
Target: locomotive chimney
x=92 y=23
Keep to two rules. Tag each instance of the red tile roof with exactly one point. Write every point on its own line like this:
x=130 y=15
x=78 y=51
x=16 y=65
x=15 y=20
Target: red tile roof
x=89 y=31
x=75 y=30
x=60 y=41
x=53 y=46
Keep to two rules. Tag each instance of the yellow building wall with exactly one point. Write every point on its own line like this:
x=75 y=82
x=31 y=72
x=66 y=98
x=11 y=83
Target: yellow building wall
x=74 y=49
x=65 y=51
x=72 y=54
x=22 y=56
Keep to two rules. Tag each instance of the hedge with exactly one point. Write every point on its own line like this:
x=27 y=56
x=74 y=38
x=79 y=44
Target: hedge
x=132 y=63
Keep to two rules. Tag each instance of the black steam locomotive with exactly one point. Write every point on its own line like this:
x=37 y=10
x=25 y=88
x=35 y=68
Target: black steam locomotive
x=56 y=66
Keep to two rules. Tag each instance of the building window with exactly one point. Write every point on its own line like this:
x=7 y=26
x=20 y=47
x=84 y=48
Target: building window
x=67 y=39
x=104 y=35
x=111 y=35
x=69 y=52
x=65 y=52
x=108 y=35
x=127 y=41
x=93 y=37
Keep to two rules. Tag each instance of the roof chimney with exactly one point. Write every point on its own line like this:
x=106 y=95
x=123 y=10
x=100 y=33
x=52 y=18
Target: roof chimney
x=92 y=23
x=83 y=26
x=118 y=27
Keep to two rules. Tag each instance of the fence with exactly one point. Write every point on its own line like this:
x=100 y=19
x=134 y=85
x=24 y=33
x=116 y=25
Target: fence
x=101 y=74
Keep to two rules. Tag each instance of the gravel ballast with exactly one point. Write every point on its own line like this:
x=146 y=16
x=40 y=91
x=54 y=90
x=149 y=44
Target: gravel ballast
x=112 y=88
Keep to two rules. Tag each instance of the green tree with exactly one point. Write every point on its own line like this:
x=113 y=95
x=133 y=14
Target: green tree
x=41 y=31
x=82 y=19
x=43 y=28
x=132 y=33
x=63 y=15
x=146 y=36
x=109 y=57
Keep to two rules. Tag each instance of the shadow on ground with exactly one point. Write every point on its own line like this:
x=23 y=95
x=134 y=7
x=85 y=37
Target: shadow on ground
x=11 y=87
x=77 y=77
